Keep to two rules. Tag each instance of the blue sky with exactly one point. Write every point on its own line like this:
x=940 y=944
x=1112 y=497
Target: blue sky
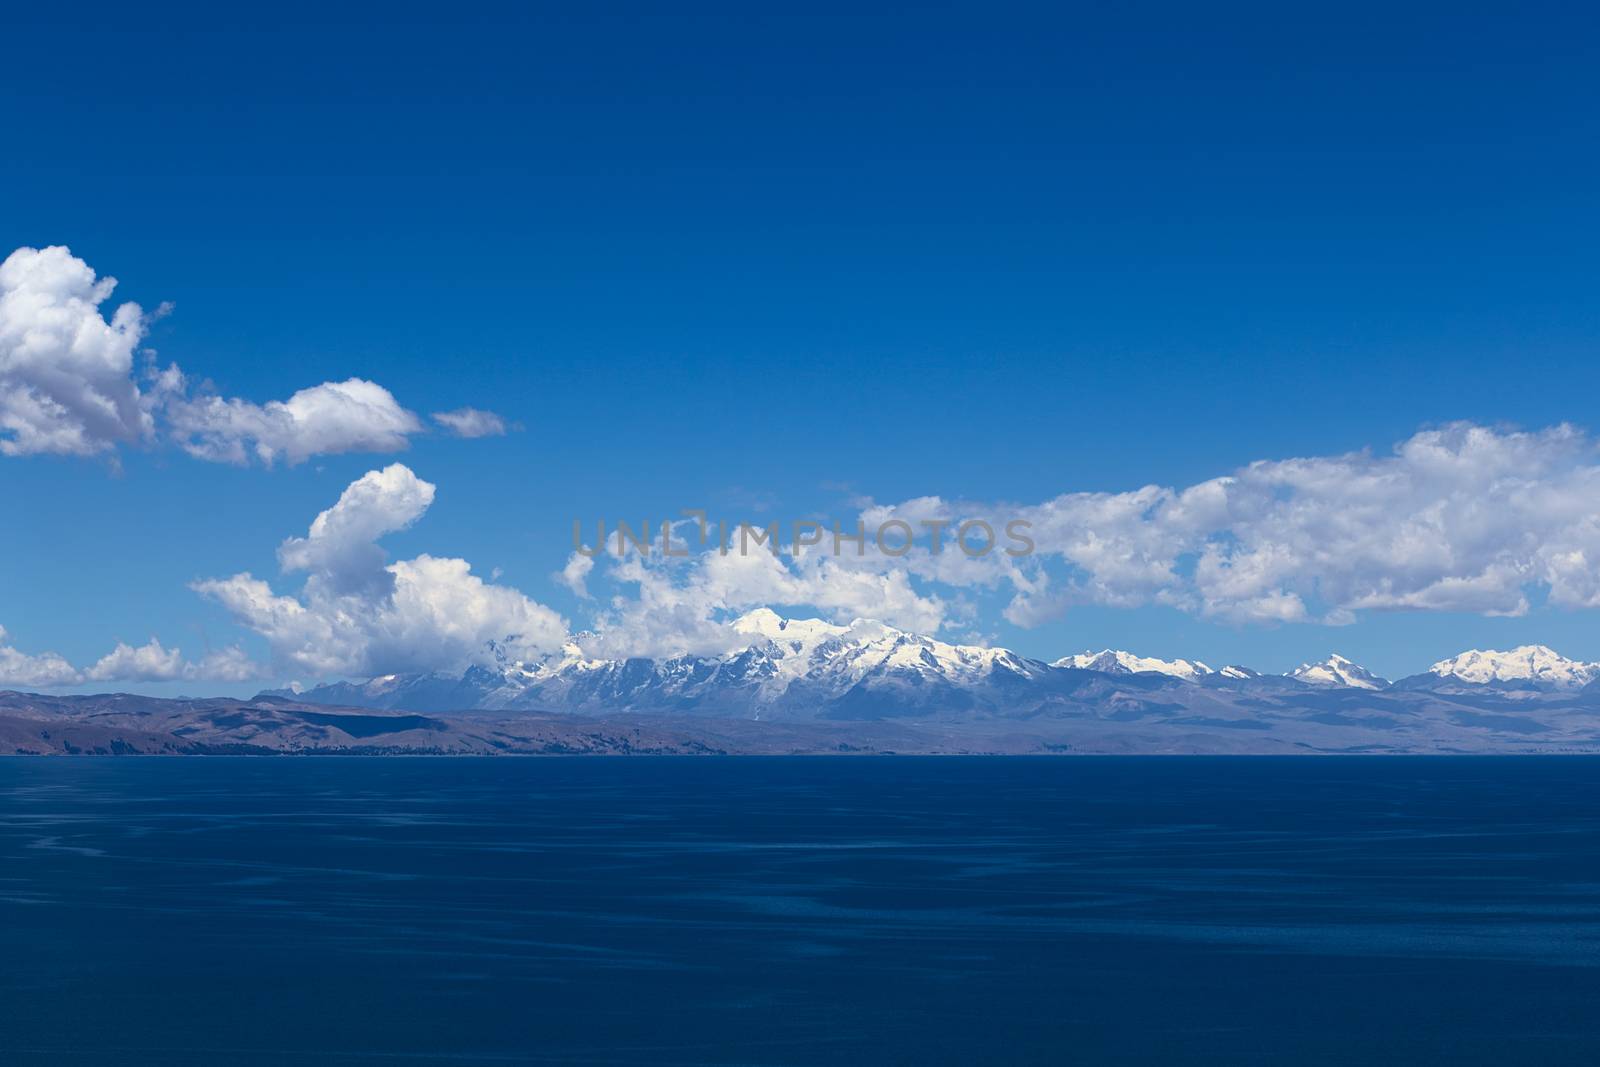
x=770 y=265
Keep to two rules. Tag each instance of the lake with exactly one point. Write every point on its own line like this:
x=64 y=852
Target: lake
x=324 y=910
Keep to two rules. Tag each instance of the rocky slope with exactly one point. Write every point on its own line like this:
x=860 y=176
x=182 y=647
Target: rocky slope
x=1134 y=714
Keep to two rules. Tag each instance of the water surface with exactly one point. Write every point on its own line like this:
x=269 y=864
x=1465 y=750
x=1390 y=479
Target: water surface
x=777 y=911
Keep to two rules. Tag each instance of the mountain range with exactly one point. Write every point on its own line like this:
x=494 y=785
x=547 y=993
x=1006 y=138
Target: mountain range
x=804 y=686
x=805 y=669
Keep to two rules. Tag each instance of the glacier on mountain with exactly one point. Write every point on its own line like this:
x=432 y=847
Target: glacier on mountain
x=1528 y=665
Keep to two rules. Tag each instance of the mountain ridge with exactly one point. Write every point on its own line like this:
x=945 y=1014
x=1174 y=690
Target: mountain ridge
x=795 y=669
x=809 y=687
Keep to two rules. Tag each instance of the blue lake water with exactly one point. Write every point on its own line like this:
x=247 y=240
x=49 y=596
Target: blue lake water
x=776 y=911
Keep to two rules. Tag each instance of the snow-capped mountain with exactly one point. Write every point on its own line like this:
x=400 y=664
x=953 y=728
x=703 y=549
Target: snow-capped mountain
x=790 y=668
x=1528 y=666
x=1336 y=671
x=844 y=656
x=1111 y=661
x=808 y=669
x=1237 y=673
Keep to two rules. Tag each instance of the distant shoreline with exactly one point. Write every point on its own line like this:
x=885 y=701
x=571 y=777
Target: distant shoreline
x=127 y=725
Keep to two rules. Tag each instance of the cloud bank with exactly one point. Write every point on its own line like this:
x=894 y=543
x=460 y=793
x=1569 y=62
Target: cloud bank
x=43 y=671
x=1463 y=518
x=151 y=662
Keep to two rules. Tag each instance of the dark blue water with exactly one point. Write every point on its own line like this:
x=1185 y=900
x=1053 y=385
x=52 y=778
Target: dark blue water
x=772 y=911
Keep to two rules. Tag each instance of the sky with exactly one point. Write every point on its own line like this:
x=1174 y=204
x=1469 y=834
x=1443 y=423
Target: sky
x=1067 y=264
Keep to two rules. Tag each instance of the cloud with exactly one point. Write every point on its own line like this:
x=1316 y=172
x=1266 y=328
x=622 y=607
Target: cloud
x=150 y=662
x=575 y=574
x=1460 y=518
x=1463 y=518
x=66 y=383
x=687 y=606
x=470 y=422
x=354 y=415
x=357 y=614
x=231 y=664
x=340 y=549
x=69 y=385
x=43 y=671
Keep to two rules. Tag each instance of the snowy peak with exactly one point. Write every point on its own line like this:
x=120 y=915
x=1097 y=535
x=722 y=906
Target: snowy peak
x=764 y=622
x=1111 y=661
x=813 y=649
x=1338 y=671
x=1534 y=665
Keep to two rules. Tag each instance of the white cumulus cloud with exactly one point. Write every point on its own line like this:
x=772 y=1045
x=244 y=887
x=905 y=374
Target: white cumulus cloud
x=42 y=671
x=69 y=385
x=66 y=371
x=149 y=662
x=1460 y=518
x=349 y=416
x=1463 y=518
x=357 y=614
x=340 y=549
